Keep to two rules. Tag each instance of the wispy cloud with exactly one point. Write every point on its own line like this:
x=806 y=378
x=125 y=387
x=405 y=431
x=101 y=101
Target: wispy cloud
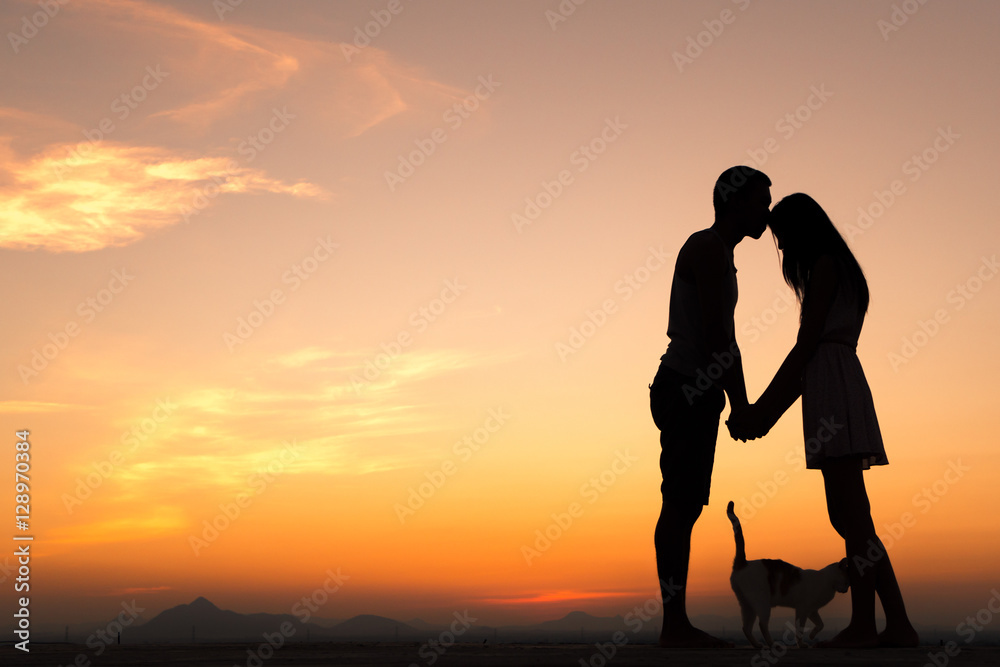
x=220 y=434
x=113 y=194
x=62 y=196
x=137 y=590
x=141 y=523
x=233 y=61
x=551 y=597
x=22 y=407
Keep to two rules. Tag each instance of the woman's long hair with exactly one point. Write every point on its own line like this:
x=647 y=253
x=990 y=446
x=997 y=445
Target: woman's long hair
x=809 y=233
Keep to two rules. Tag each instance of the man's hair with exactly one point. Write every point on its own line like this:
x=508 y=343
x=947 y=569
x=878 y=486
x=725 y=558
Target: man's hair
x=735 y=182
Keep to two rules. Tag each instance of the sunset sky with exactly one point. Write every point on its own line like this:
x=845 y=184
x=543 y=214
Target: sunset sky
x=386 y=283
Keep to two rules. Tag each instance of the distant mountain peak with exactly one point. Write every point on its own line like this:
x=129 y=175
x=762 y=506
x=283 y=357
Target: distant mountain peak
x=577 y=620
x=202 y=603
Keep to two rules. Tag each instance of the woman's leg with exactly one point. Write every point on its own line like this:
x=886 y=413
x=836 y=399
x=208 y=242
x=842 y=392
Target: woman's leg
x=899 y=632
x=869 y=567
x=850 y=514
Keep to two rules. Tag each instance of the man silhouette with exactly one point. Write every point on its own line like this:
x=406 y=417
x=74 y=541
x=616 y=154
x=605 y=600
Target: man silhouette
x=702 y=364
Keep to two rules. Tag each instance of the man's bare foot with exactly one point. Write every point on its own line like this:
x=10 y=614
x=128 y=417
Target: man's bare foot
x=902 y=637
x=692 y=637
x=851 y=638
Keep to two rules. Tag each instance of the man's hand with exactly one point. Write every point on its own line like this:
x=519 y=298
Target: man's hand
x=747 y=423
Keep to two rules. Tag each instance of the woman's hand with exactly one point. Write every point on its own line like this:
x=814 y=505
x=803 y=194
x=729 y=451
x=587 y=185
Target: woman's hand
x=747 y=423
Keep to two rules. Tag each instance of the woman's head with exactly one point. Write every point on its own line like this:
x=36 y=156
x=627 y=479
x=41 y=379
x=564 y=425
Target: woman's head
x=802 y=227
x=804 y=232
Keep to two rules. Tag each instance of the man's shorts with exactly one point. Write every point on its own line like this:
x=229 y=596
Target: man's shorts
x=688 y=419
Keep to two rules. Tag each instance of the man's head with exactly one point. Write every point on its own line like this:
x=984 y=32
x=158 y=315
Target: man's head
x=742 y=196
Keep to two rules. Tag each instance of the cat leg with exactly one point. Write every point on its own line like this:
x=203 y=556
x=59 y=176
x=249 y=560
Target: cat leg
x=765 y=620
x=800 y=627
x=748 y=618
x=817 y=624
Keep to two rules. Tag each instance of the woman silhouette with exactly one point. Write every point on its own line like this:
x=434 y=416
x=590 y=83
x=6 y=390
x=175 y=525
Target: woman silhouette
x=838 y=414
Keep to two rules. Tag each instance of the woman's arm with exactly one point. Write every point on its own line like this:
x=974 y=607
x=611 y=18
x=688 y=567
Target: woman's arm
x=787 y=383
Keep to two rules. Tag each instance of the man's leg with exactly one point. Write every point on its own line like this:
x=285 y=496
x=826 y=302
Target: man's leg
x=689 y=425
x=673 y=551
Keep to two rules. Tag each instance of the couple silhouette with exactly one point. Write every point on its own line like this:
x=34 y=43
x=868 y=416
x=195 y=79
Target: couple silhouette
x=838 y=413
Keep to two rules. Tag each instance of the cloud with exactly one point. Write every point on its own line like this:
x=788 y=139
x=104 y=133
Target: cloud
x=150 y=522
x=20 y=407
x=554 y=597
x=223 y=433
x=231 y=62
x=230 y=67
x=83 y=198
x=61 y=195
x=137 y=590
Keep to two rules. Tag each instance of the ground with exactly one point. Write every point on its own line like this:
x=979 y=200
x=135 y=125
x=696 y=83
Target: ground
x=408 y=654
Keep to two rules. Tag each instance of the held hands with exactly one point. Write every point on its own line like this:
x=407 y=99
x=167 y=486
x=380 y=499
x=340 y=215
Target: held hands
x=747 y=423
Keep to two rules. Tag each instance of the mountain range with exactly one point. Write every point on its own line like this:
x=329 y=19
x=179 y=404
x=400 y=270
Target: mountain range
x=202 y=621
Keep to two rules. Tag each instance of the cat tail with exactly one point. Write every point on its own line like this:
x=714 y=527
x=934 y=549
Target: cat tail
x=741 y=553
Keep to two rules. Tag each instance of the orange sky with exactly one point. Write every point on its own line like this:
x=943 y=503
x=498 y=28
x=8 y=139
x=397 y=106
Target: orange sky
x=258 y=265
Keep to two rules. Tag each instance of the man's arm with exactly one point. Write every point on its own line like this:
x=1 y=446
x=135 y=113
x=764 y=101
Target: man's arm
x=709 y=263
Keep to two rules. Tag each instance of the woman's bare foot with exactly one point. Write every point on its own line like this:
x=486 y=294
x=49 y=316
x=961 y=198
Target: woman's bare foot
x=692 y=637
x=849 y=637
x=901 y=637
